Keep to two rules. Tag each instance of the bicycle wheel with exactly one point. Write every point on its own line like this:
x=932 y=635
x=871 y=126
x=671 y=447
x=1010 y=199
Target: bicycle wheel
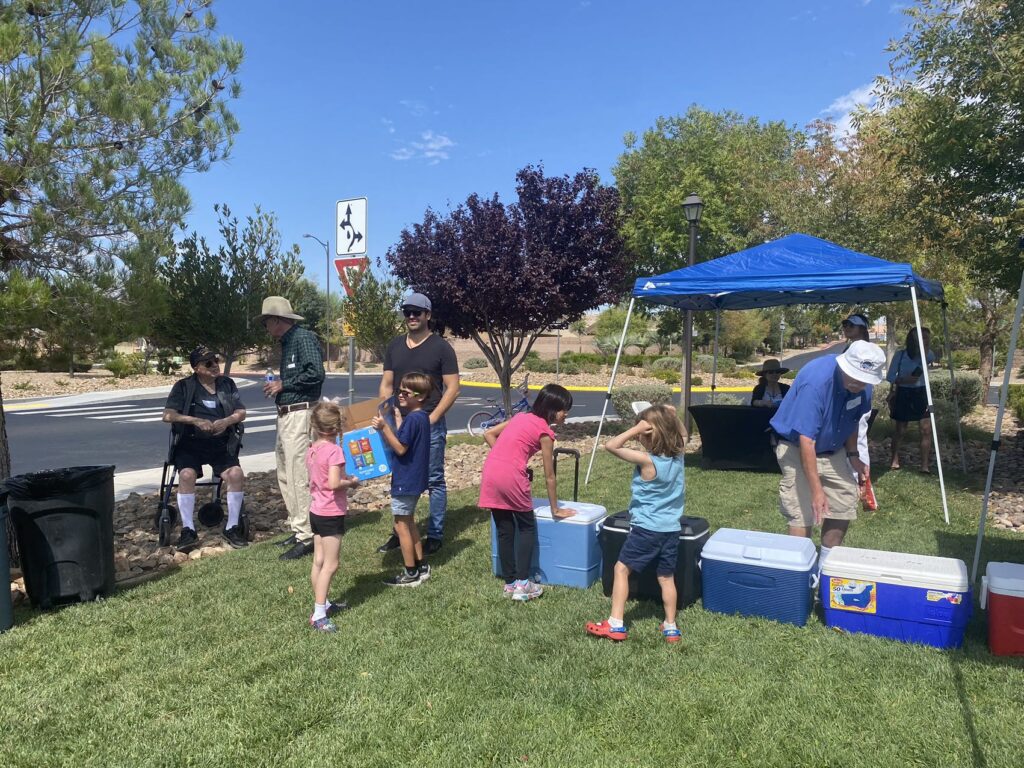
x=479 y=423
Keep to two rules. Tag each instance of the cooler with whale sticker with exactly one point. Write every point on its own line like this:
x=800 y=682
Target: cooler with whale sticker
x=911 y=598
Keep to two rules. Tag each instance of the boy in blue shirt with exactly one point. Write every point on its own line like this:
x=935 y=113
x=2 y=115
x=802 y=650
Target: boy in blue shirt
x=816 y=429
x=409 y=473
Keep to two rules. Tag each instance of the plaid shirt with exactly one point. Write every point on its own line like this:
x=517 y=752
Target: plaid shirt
x=302 y=367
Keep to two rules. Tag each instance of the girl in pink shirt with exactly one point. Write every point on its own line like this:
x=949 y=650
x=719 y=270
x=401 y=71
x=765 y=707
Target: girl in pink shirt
x=505 y=487
x=328 y=505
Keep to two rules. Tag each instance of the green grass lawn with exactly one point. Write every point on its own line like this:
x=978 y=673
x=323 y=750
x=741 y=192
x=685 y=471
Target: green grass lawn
x=215 y=664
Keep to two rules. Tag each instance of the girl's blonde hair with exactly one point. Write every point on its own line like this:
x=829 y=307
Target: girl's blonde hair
x=327 y=418
x=668 y=438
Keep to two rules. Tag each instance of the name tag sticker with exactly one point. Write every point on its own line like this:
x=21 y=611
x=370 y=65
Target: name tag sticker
x=292 y=365
x=211 y=404
x=853 y=403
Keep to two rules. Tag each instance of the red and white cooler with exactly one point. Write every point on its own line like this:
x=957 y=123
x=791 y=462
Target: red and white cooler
x=1002 y=593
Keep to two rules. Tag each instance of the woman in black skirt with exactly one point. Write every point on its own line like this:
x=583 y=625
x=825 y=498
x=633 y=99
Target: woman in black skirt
x=909 y=401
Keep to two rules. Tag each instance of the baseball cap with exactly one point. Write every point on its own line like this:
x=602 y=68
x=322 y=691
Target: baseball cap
x=416 y=301
x=200 y=355
x=863 y=361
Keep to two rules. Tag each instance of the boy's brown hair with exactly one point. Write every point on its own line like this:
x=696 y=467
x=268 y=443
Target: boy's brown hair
x=668 y=438
x=327 y=418
x=420 y=383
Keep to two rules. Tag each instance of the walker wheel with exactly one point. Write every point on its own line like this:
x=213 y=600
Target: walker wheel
x=211 y=514
x=165 y=531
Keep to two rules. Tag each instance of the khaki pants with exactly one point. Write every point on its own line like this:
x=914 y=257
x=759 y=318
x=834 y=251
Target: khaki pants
x=837 y=481
x=292 y=475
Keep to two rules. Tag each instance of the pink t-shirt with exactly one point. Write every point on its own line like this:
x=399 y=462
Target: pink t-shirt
x=319 y=458
x=503 y=482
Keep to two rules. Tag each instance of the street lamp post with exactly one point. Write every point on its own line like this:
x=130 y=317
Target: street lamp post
x=693 y=207
x=782 y=335
x=327 y=253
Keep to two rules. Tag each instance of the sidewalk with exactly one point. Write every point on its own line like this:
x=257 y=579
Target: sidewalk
x=144 y=481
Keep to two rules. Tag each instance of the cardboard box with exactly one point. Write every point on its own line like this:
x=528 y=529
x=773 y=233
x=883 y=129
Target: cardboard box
x=366 y=455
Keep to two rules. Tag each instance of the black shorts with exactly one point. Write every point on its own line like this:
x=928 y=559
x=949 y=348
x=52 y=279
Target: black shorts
x=327 y=525
x=643 y=547
x=193 y=453
x=910 y=404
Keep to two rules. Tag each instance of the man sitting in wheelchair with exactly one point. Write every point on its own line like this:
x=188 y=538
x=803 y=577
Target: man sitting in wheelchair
x=205 y=414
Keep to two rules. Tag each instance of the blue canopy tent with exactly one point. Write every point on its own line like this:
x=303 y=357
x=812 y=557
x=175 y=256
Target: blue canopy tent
x=796 y=269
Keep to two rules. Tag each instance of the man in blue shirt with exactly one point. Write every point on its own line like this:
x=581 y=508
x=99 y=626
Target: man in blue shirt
x=816 y=428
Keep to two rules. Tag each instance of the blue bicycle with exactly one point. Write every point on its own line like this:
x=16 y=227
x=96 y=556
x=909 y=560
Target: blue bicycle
x=481 y=421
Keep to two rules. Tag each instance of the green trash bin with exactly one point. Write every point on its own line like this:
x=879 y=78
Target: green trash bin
x=6 y=607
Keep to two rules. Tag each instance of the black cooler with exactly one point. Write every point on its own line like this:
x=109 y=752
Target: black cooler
x=644 y=585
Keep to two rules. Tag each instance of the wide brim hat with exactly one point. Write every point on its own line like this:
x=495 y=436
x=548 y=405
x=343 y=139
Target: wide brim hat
x=277 y=306
x=771 y=366
x=863 y=361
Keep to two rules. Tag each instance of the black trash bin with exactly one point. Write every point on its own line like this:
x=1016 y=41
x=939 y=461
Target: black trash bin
x=64 y=523
x=6 y=606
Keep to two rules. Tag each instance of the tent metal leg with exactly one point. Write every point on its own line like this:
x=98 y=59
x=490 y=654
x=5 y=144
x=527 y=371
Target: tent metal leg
x=952 y=389
x=1003 y=394
x=931 y=411
x=714 y=360
x=608 y=395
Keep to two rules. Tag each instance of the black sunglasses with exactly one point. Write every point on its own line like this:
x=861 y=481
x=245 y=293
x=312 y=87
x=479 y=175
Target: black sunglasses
x=210 y=363
x=412 y=312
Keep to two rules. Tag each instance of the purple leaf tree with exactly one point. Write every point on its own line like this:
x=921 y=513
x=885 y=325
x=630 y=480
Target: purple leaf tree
x=502 y=274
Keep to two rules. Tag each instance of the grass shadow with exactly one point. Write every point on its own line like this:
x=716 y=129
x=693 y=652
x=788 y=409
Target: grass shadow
x=977 y=755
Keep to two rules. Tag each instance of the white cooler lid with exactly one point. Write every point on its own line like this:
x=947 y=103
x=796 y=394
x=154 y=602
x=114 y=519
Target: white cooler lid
x=923 y=571
x=1005 y=579
x=771 y=550
x=585 y=513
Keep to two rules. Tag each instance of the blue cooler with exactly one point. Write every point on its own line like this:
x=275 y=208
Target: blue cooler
x=567 y=551
x=759 y=574
x=912 y=598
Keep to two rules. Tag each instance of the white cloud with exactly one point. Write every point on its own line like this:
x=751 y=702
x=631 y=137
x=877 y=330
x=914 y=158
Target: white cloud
x=389 y=124
x=416 y=108
x=433 y=148
x=840 y=111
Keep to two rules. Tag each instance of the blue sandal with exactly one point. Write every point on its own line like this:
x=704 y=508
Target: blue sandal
x=672 y=635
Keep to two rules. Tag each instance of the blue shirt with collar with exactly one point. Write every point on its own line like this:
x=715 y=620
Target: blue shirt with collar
x=818 y=406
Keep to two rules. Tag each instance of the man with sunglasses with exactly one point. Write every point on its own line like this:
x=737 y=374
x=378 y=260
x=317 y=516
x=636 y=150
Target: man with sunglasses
x=419 y=350
x=295 y=391
x=206 y=429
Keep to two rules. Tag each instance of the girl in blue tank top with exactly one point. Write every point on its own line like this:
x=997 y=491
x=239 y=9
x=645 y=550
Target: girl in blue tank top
x=655 y=510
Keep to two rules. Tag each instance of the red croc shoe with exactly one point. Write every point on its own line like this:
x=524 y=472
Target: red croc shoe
x=604 y=629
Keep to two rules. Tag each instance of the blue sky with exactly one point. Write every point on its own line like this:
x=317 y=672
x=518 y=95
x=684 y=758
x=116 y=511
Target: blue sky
x=417 y=104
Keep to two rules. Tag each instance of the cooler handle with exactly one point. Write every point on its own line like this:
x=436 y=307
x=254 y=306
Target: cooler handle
x=984 y=592
x=576 y=474
x=815 y=580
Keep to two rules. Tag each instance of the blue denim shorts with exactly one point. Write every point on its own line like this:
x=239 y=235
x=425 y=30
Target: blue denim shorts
x=404 y=505
x=643 y=547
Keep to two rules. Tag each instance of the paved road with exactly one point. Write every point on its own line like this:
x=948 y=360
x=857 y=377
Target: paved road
x=129 y=433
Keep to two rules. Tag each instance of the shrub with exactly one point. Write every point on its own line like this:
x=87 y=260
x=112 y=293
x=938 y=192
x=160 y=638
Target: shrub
x=731 y=398
x=623 y=397
x=475 y=362
x=669 y=377
x=1015 y=400
x=966 y=358
x=665 y=364
x=726 y=366
x=122 y=366
x=583 y=357
x=534 y=364
x=789 y=375
x=606 y=345
x=703 y=362
x=969 y=389
x=165 y=363
x=745 y=373
x=696 y=381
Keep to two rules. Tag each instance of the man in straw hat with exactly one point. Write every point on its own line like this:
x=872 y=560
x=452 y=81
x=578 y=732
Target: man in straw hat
x=816 y=431
x=295 y=391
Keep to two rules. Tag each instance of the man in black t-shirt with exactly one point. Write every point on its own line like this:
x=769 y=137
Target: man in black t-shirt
x=421 y=351
x=207 y=427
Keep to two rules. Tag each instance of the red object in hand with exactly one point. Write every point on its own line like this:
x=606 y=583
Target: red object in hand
x=867 y=495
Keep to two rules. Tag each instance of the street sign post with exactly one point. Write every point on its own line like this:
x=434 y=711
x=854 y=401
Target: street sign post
x=350 y=232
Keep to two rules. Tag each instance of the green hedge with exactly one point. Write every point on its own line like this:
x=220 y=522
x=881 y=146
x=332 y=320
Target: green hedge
x=665 y=364
x=622 y=398
x=126 y=365
x=669 y=377
x=1015 y=401
x=474 y=363
x=969 y=389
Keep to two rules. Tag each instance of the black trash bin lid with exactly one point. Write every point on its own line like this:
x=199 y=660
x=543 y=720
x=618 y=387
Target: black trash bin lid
x=51 y=483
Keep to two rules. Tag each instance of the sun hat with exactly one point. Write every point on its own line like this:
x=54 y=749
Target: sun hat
x=277 y=306
x=200 y=355
x=863 y=361
x=416 y=301
x=771 y=365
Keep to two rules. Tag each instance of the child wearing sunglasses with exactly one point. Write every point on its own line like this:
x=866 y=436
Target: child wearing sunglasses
x=409 y=473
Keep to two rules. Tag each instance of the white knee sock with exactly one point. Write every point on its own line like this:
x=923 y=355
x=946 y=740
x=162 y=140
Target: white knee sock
x=319 y=611
x=234 y=507
x=187 y=506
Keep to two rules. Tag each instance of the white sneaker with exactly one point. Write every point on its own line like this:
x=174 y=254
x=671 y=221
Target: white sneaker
x=528 y=591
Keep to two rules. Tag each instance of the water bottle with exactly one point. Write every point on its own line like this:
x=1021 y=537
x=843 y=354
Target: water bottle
x=269 y=378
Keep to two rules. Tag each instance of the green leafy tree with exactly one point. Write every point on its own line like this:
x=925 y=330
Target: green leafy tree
x=94 y=295
x=23 y=304
x=104 y=105
x=322 y=312
x=579 y=327
x=743 y=332
x=372 y=312
x=216 y=293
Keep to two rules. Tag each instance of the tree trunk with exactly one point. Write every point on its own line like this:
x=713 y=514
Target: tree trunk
x=71 y=362
x=5 y=449
x=890 y=337
x=229 y=359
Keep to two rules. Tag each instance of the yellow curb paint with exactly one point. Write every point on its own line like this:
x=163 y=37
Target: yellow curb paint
x=26 y=406
x=534 y=387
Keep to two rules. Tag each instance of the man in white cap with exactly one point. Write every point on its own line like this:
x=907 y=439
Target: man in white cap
x=295 y=391
x=420 y=350
x=816 y=430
